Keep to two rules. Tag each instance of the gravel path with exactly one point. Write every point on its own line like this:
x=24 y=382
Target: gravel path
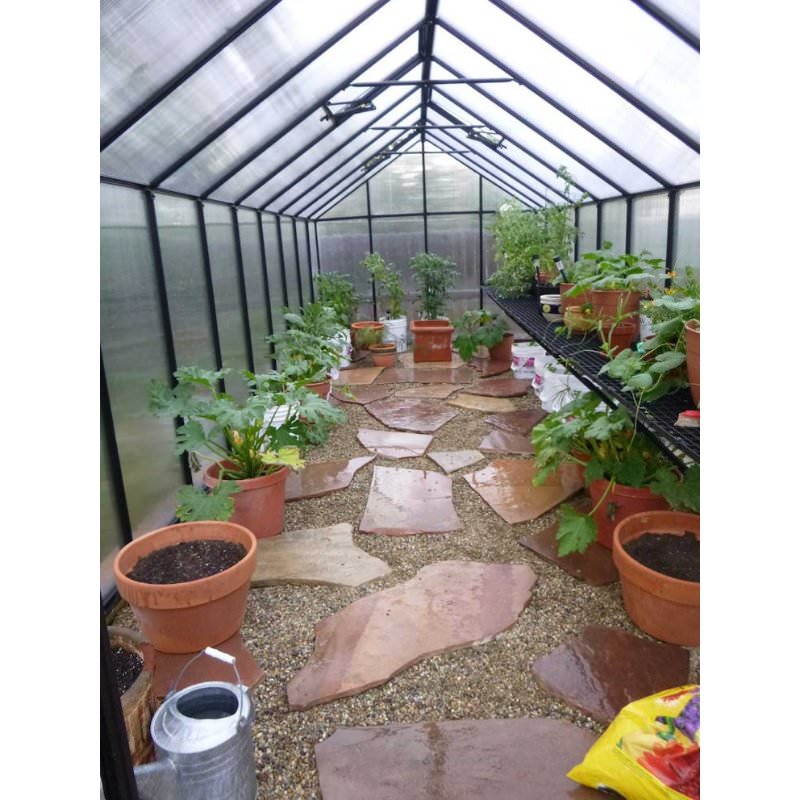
x=485 y=681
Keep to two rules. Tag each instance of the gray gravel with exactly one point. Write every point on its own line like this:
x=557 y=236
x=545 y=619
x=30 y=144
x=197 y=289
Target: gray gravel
x=486 y=681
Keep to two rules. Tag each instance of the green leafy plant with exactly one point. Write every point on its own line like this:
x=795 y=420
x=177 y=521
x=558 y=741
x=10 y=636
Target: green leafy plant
x=387 y=284
x=521 y=235
x=608 y=444
x=604 y=271
x=368 y=336
x=336 y=290
x=434 y=275
x=476 y=328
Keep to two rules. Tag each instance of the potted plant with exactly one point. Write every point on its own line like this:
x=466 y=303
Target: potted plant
x=251 y=445
x=624 y=470
x=367 y=335
x=187 y=583
x=434 y=275
x=383 y=354
x=336 y=290
x=478 y=331
x=390 y=297
x=657 y=554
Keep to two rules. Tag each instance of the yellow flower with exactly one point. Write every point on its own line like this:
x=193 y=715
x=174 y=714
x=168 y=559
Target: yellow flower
x=236 y=437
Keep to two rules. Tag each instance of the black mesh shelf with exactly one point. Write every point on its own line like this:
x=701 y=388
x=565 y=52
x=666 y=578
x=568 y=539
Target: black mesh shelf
x=583 y=358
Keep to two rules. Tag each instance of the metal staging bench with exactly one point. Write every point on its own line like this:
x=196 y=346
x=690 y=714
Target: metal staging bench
x=581 y=355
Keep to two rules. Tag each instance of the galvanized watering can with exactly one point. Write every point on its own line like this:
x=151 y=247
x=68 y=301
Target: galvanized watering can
x=203 y=742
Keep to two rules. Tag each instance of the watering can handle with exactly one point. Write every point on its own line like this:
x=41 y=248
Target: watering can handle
x=212 y=652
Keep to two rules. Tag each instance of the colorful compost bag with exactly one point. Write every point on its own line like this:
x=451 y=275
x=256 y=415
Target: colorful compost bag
x=651 y=751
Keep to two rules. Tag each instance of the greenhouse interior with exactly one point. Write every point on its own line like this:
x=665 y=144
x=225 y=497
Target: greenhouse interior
x=399 y=322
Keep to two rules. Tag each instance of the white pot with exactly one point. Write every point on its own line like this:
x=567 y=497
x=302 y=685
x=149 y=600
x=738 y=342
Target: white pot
x=523 y=357
x=559 y=389
x=396 y=330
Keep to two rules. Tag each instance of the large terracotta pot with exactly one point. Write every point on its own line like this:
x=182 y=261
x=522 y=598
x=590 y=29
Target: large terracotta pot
x=606 y=303
x=138 y=701
x=666 y=608
x=502 y=350
x=432 y=339
x=693 y=358
x=621 y=337
x=320 y=388
x=578 y=300
x=186 y=617
x=260 y=503
x=621 y=502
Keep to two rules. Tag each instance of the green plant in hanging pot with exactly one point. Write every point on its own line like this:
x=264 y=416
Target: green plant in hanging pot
x=390 y=295
x=476 y=329
x=434 y=275
x=625 y=471
x=336 y=290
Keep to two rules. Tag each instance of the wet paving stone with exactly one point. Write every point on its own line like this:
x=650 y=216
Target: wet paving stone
x=316 y=480
x=504 y=442
x=362 y=394
x=406 y=360
x=521 y=421
x=489 y=759
x=357 y=375
x=452 y=460
x=604 y=669
x=445 y=606
x=419 y=416
x=403 y=502
x=426 y=375
x=506 y=486
x=433 y=391
x=500 y=387
x=487 y=368
x=474 y=402
x=394 y=444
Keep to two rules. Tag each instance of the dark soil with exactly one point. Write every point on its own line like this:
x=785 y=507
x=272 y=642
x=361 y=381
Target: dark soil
x=187 y=561
x=676 y=556
x=126 y=667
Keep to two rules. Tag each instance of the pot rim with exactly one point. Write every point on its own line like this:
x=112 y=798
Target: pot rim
x=245 y=484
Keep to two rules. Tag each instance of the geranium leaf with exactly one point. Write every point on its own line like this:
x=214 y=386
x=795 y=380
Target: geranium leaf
x=575 y=531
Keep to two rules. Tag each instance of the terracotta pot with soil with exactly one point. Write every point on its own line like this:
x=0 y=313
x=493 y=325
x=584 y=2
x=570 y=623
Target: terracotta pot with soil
x=502 y=350
x=260 y=503
x=620 y=502
x=665 y=606
x=619 y=336
x=179 y=612
x=383 y=355
x=693 y=358
x=578 y=300
x=607 y=303
x=132 y=660
x=432 y=339
x=361 y=325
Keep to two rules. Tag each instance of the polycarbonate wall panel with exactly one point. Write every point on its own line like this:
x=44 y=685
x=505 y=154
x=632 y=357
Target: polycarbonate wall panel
x=269 y=225
x=456 y=237
x=613 y=224
x=134 y=353
x=342 y=246
x=587 y=229
x=489 y=247
x=181 y=254
x=687 y=232
x=493 y=196
x=112 y=537
x=354 y=205
x=254 y=286
x=398 y=239
x=227 y=297
x=649 y=225
x=450 y=186
x=398 y=187
x=290 y=263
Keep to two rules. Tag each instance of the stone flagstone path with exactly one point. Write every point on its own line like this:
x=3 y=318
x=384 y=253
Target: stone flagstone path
x=402 y=502
x=445 y=606
x=432 y=391
x=452 y=460
x=520 y=421
x=489 y=759
x=419 y=416
x=357 y=375
x=474 y=402
x=316 y=555
x=426 y=375
x=500 y=387
x=315 y=480
x=394 y=444
x=362 y=394
x=504 y=442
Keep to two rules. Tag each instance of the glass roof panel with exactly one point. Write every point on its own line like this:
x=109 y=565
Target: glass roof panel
x=141 y=47
x=635 y=51
x=239 y=74
x=354 y=205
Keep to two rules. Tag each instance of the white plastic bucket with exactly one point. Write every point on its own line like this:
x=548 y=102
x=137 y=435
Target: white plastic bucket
x=396 y=330
x=342 y=343
x=523 y=358
x=559 y=388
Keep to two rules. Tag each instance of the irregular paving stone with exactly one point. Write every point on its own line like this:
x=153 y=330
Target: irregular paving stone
x=595 y=566
x=316 y=555
x=487 y=368
x=362 y=394
x=452 y=460
x=357 y=375
x=315 y=480
x=433 y=391
x=445 y=606
x=421 y=416
x=605 y=669
x=500 y=387
x=426 y=375
x=521 y=421
x=402 y=502
x=393 y=444
x=502 y=759
x=407 y=360
x=167 y=667
x=476 y=403
x=504 y=442
x=506 y=486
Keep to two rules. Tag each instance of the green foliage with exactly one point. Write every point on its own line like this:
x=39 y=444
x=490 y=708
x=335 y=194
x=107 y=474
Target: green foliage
x=434 y=275
x=521 y=234
x=475 y=328
x=367 y=336
x=336 y=290
x=606 y=441
x=606 y=272
x=195 y=504
x=387 y=284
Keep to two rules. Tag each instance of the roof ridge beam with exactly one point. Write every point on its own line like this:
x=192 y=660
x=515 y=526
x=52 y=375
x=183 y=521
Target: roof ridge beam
x=426 y=36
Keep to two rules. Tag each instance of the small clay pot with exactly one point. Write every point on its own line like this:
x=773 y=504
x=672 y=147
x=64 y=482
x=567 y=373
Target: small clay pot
x=665 y=607
x=502 y=350
x=692 y=329
x=320 y=388
x=619 y=336
x=357 y=326
x=577 y=321
x=384 y=355
x=621 y=502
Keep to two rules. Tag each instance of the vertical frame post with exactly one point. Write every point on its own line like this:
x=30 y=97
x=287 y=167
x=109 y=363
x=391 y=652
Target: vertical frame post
x=237 y=246
x=267 y=294
x=212 y=303
x=372 y=250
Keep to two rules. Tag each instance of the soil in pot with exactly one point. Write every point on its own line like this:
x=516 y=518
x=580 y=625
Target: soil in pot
x=126 y=667
x=676 y=556
x=187 y=561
